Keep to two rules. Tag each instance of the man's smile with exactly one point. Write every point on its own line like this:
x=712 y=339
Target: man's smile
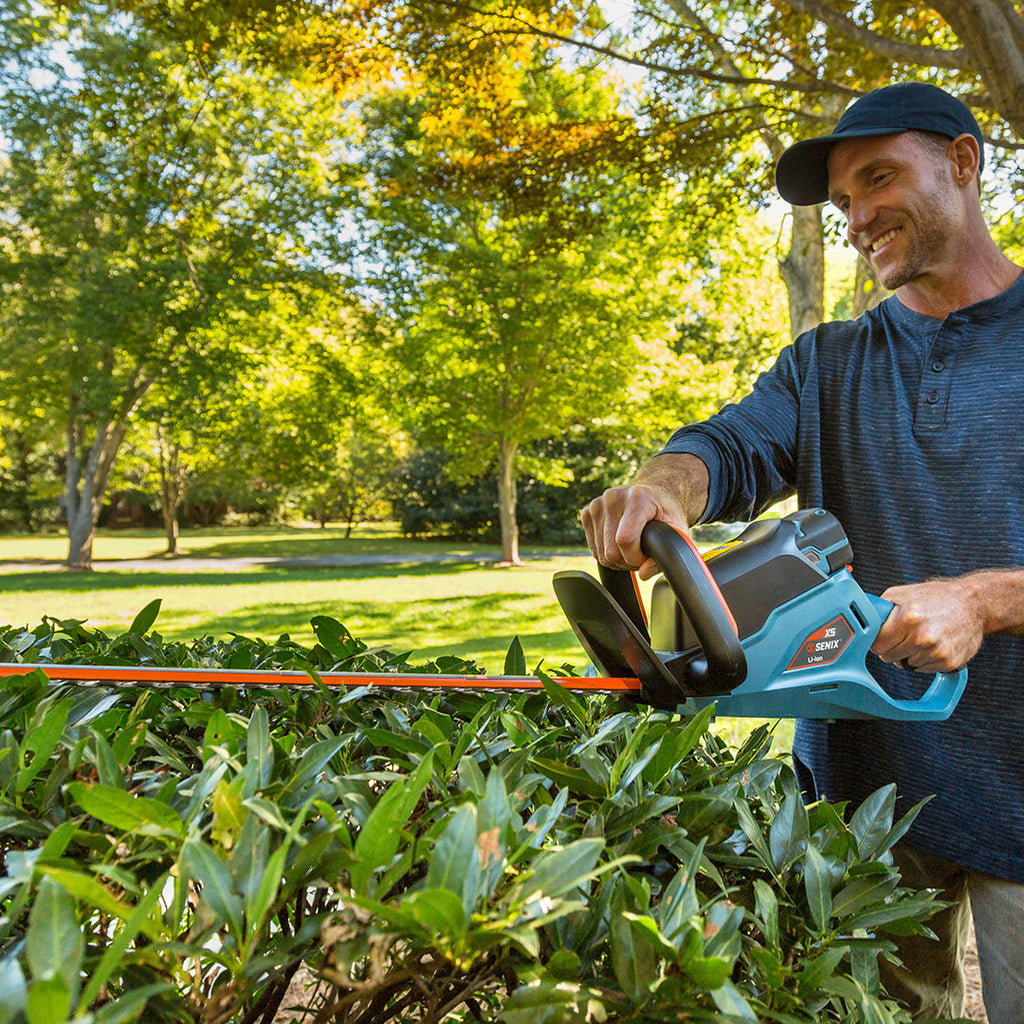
x=883 y=240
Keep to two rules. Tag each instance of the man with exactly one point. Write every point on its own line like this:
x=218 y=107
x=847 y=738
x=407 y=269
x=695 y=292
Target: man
x=907 y=424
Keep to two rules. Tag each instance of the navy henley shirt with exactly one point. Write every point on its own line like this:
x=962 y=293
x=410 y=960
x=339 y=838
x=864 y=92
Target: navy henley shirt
x=909 y=429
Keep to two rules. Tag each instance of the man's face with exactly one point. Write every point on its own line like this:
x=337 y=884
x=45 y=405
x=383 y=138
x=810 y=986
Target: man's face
x=901 y=204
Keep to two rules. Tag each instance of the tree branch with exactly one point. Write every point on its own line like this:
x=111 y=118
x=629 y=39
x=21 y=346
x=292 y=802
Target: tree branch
x=722 y=57
x=904 y=53
x=519 y=25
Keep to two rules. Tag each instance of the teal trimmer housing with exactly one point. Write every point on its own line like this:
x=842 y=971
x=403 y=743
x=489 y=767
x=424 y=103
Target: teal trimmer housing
x=770 y=625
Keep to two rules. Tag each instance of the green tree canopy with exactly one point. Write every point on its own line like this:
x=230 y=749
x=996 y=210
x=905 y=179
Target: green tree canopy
x=526 y=259
x=148 y=197
x=722 y=83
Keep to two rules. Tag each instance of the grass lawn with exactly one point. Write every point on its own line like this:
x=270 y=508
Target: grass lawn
x=472 y=608
x=242 y=581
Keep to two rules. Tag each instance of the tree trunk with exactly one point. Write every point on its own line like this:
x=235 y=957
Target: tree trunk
x=172 y=488
x=85 y=486
x=81 y=533
x=507 y=502
x=867 y=292
x=803 y=270
x=992 y=33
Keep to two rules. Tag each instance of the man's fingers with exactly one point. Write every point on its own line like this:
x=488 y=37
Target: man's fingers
x=648 y=570
x=929 y=629
x=613 y=524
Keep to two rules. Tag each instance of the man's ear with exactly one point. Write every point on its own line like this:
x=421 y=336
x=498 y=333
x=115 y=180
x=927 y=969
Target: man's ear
x=966 y=157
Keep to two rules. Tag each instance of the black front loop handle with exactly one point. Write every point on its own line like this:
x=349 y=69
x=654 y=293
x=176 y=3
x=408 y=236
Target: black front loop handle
x=725 y=664
x=621 y=584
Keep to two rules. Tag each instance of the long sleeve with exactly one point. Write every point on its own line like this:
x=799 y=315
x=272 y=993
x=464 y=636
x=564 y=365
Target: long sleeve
x=750 y=447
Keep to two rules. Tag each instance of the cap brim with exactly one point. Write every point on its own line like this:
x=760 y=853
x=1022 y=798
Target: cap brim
x=801 y=175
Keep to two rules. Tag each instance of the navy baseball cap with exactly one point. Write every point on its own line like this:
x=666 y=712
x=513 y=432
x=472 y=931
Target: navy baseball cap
x=801 y=174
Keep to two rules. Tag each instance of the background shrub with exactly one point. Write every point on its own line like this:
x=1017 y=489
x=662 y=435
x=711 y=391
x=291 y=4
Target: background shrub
x=428 y=500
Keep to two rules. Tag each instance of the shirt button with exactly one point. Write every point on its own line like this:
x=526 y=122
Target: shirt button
x=933 y=397
x=938 y=366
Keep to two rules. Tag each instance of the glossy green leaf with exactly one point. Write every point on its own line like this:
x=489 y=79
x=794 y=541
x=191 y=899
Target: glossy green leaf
x=57 y=842
x=129 y=1007
x=259 y=751
x=455 y=861
x=815 y=971
x=201 y=863
x=708 y=972
x=439 y=911
x=680 y=901
x=900 y=829
x=862 y=892
x=515 y=659
x=260 y=902
x=42 y=741
x=752 y=830
x=873 y=819
x=87 y=890
x=541 y=822
x=564 y=698
x=54 y=944
x=107 y=765
x=379 y=839
x=634 y=955
x=313 y=761
x=767 y=907
x=575 y=779
x=818 y=886
x=13 y=991
x=543 y=1003
x=676 y=745
x=731 y=1002
x=556 y=872
x=471 y=778
x=789 y=833
x=722 y=934
x=49 y=1001
x=125 y=811
x=143 y=622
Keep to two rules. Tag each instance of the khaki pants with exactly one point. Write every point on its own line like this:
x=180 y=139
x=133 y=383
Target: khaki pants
x=931 y=982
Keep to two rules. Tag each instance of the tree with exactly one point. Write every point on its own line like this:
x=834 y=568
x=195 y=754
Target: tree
x=149 y=196
x=525 y=258
x=319 y=412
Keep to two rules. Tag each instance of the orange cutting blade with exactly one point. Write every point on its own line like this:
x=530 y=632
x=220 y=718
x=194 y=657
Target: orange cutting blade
x=133 y=675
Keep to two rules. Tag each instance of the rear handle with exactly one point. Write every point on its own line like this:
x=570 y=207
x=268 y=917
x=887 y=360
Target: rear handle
x=944 y=691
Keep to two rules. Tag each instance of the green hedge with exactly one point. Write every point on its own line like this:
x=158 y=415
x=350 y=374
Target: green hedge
x=174 y=855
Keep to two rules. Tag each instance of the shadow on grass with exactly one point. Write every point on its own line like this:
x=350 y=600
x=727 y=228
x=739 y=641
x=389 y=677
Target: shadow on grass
x=376 y=622
x=535 y=647
x=305 y=545
x=118 y=579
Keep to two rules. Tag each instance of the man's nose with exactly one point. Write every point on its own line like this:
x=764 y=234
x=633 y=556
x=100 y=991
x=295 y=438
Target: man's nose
x=859 y=214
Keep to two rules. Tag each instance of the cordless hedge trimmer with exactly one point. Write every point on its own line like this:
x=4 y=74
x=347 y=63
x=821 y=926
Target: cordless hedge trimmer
x=770 y=625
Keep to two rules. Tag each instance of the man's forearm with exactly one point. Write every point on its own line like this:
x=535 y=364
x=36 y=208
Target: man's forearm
x=684 y=475
x=999 y=596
